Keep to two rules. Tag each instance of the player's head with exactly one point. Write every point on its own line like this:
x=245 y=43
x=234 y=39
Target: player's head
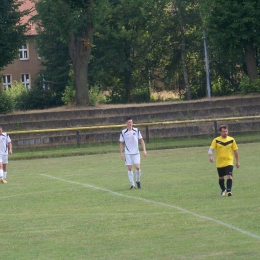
x=223 y=130
x=129 y=122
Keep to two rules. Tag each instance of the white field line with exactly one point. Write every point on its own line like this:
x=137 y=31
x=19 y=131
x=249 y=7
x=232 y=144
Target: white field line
x=157 y=203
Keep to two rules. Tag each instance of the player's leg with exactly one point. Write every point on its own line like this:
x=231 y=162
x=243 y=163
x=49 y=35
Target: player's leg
x=4 y=172
x=129 y=163
x=137 y=170
x=5 y=161
x=229 y=174
x=221 y=180
x=1 y=170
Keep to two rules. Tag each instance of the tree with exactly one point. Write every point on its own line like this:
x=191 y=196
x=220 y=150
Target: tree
x=12 y=31
x=74 y=21
x=184 y=64
x=126 y=47
x=80 y=44
x=53 y=51
x=233 y=27
x=179 y=7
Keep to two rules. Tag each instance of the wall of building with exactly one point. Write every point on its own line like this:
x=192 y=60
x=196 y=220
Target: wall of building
x=29 y=66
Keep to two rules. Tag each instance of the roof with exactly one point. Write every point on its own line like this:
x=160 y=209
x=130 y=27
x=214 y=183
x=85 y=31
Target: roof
x=28 y=5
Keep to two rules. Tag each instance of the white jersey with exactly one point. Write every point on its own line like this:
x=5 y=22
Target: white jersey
x=4 y=141
x=130 y=138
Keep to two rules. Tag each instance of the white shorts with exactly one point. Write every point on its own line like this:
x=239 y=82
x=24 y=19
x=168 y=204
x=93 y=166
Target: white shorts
x=131 y=159
x=4 y=159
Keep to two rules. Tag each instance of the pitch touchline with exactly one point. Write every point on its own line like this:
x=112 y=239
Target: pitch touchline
x=158 y=203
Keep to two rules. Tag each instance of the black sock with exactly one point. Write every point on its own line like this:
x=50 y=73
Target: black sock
x=222 y=184
x=229 y=185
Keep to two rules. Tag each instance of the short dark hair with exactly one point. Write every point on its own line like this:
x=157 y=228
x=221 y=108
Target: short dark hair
x=222 y=127
x=128 y=118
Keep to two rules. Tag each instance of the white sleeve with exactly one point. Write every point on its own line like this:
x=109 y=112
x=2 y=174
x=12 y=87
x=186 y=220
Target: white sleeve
x=210 y=151
x=139 y=135
x=121 y=138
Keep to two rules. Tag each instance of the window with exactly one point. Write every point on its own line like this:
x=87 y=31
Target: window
x=23 y=52
x=45 y=84
x=26 y=80
x=7 y=82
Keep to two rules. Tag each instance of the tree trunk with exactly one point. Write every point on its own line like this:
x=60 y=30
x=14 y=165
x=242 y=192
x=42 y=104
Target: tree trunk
x=251 y=61
x=81 y=83
x=80 y=50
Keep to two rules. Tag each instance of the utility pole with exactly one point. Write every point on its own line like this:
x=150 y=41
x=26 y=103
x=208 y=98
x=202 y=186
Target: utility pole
x=207 y=65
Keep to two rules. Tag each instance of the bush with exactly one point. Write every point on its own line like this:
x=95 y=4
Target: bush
x=140 y=95
x=96 y=97
x=6 y=102
x=17 y=89
x=36 y=99
x=247 y=86
x=68 y=96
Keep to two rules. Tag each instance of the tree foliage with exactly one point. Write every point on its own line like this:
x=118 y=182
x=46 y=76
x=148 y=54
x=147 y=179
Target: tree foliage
x=233 y=27
x=129 y=47
x=51 y=48
x=184 y=65
x=126 y=43
x=70 y=23
x=11 y=31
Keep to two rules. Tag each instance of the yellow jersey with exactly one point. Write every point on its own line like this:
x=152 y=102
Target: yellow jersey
x=224 y=150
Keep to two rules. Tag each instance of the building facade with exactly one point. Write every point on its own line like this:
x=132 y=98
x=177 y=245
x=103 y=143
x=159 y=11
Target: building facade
x=27 y=65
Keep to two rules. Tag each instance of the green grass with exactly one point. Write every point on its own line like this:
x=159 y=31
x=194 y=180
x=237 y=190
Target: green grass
x=81 y=208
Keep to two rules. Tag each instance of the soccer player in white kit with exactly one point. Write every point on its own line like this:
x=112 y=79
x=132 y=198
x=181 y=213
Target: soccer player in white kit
x=129 y=151
x=5 y=149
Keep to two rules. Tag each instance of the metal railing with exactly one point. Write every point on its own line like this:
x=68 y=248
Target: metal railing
x=146 y=125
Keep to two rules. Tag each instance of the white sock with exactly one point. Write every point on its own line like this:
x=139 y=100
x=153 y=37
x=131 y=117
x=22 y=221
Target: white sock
x=4 y=174
x=131 y=178
x=1 y=173
x=138 y=175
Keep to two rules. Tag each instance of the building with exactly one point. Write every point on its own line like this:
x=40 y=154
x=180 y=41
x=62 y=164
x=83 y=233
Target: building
x=27 y=64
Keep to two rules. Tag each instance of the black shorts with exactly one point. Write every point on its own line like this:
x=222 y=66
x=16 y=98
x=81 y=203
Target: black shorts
x=228 y=170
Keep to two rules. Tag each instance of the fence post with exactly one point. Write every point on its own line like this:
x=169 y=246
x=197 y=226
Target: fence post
x=147 y=134
x=216 y=128
x=78 y=139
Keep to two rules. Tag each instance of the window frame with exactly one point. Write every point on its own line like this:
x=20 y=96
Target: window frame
x=7 y=85
x=24 y=52
x=26 y=81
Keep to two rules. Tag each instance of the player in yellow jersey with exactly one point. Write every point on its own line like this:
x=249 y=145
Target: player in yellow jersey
x=225 y=147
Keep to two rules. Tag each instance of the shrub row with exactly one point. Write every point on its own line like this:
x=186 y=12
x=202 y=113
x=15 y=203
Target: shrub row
x=18 y=98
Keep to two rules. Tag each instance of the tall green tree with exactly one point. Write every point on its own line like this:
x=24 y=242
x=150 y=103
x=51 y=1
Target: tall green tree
x=12 y=31
x=52 y=50
x=184 y=64
x=233 y=27
x=127 y=43
x=74 y=22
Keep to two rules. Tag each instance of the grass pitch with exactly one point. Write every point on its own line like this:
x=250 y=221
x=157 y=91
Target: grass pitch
x=81 y=208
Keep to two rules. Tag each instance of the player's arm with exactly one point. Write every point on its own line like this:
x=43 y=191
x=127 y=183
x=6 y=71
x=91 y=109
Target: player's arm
x=10 y=146
x=121 y=146
x=237 y=159
x=143 y=146
x=210 y=153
